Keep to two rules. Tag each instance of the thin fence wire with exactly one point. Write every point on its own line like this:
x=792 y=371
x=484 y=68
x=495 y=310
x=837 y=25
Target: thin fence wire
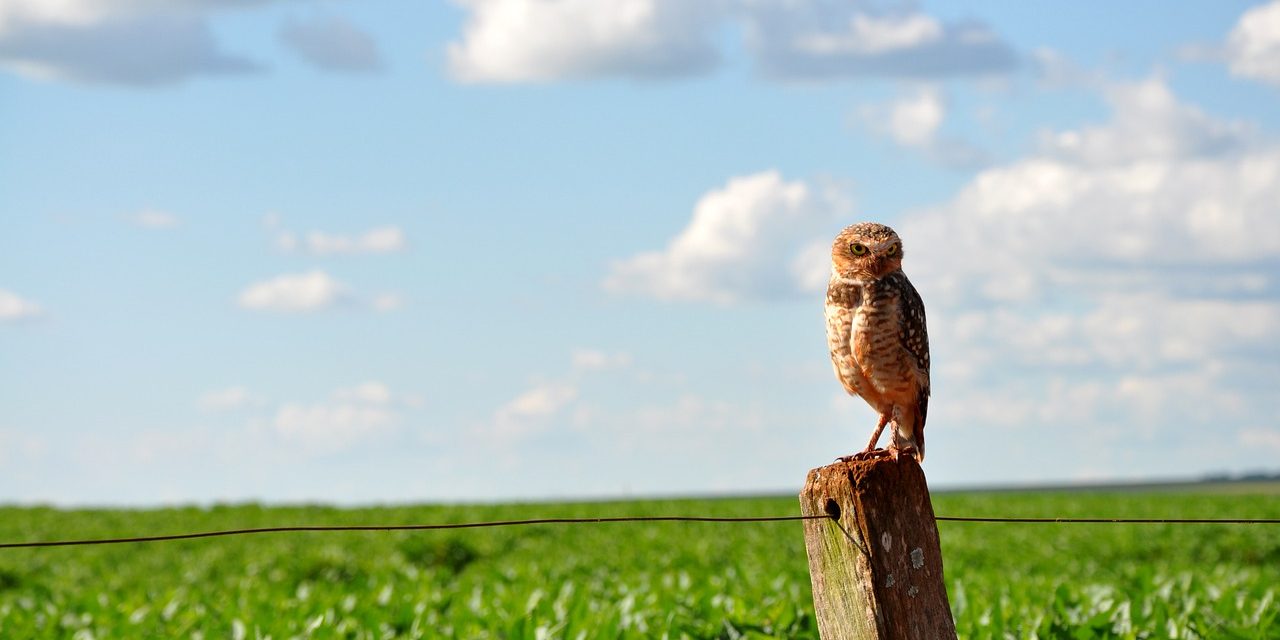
x=1116 y=520
x=543 y=521
x=403 y=527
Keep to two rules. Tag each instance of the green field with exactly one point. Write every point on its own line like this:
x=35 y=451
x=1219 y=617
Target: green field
x=698 y=580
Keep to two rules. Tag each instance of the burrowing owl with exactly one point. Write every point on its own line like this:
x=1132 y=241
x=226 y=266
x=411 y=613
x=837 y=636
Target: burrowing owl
x=876 y=332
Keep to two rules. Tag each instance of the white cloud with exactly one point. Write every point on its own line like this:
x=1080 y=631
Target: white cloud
x=753 y=238
x=531 y=410
x=537 y=408
x=542 y=400
x=236 y=397
x=1121 y=274
x=913 y=120
x=811 y=39
x=1160 y=186
x=140 y=42
x=387 y=239
x=378 y=240
x=14 y=308
x=871 y=35
x=333 y=44
x=546 y=40
x=316 y=289
x=1148 y=124
x=152 y=219
x=303 y=292
x=542 y=40
x=1253 y=46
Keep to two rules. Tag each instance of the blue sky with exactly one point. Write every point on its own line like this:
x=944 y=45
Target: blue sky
x=513 y=249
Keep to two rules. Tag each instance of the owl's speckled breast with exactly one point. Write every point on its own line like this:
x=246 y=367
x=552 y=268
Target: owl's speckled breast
x=866 y=352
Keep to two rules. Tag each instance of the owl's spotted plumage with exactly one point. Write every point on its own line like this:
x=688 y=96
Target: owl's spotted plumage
x=876 y=333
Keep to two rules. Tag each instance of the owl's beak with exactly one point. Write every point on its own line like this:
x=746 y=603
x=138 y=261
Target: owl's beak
x=879 y=264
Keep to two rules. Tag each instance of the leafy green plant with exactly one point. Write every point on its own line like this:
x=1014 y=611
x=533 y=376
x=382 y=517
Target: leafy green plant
x=630 y=580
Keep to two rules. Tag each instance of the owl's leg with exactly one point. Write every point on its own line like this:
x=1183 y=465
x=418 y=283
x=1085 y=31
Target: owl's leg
x=871 y=451
x=875 y=436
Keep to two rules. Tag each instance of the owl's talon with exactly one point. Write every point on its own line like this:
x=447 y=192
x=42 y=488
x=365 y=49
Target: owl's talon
x=865 y=454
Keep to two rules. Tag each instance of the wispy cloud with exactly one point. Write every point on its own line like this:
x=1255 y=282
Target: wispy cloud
x=229 y=398
x=378 y=240
x=1261 y=437
x=597 y=360
x=814 y=40
x=387 y=302
x=152 y=219
x=522 y=414
x=333 y=44
x=388 y=239
x=18 y=444
x=546 y=401
x=316 y=289
x=913 y=121
x=371 y=392
x=122 y=43
x=350 y=417
x=534 y=41
x=14 y=308
x=294 y=293
x=329 y=428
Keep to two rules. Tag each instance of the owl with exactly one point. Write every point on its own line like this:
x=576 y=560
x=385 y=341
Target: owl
x=876 y=333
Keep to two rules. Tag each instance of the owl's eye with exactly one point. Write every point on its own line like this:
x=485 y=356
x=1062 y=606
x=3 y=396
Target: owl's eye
x=893 y=250
x=858 y=249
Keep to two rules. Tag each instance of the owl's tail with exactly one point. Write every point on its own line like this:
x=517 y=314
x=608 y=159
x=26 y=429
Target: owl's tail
x=922 y=411
x=910 y=436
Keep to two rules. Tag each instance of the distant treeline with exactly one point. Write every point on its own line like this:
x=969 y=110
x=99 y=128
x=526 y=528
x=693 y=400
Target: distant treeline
x=1248 y=476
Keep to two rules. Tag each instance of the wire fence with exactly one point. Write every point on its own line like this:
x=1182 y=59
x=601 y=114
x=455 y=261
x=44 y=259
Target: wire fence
x=602 y=520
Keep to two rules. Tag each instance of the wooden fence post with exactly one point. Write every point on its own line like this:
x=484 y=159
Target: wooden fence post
x=875 y=564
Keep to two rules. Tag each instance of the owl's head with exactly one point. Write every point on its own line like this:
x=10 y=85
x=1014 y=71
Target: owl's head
x=867 y=250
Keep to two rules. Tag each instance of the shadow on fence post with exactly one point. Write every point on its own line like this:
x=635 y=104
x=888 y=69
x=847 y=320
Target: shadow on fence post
x=875 y=563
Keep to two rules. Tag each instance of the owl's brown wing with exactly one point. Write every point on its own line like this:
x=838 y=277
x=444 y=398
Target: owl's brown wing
x=915 y=340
